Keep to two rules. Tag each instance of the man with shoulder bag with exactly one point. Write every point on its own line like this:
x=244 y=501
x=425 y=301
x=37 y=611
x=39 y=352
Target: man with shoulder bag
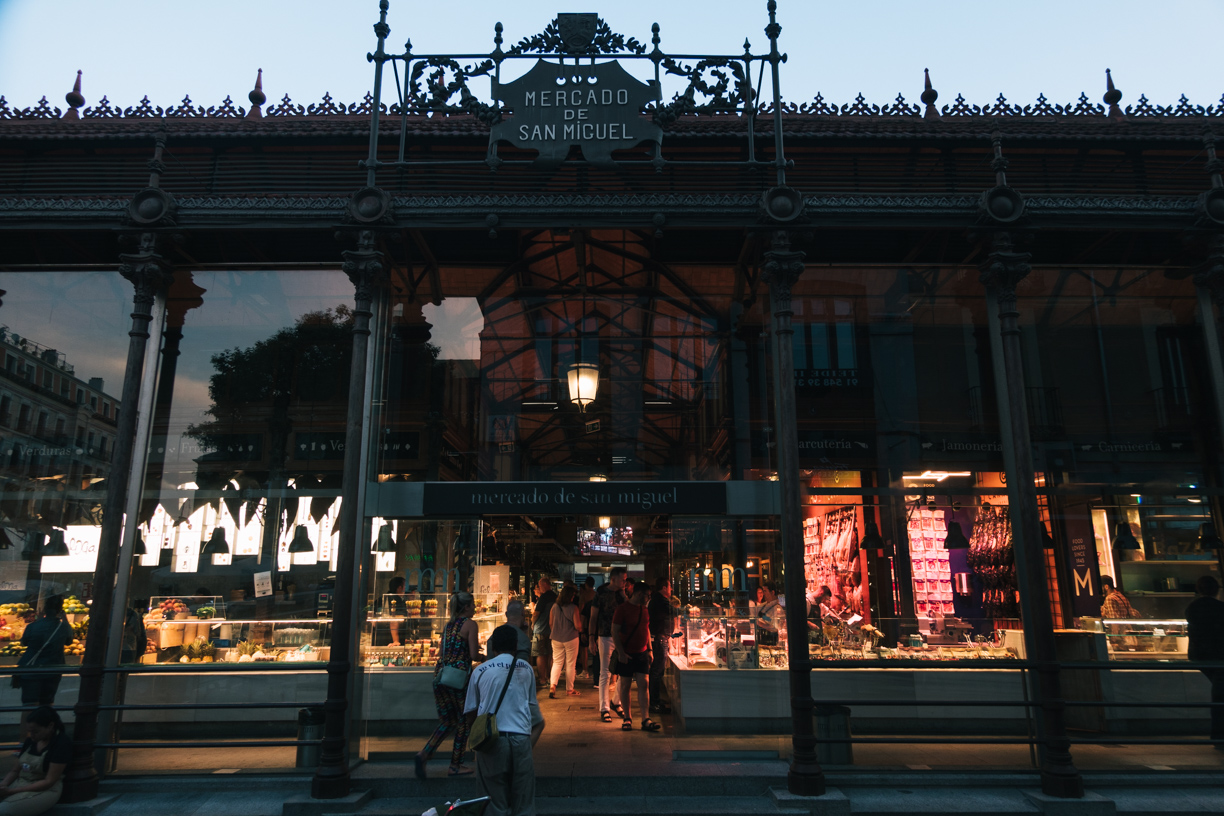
x=505 y=722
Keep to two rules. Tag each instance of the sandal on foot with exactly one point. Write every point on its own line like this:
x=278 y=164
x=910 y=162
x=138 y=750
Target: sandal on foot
x=606 y=716
x=618 y=710
x=650 y=725
x=418 y=763
x=627 y=725
x=458 y=770
x=574 y=693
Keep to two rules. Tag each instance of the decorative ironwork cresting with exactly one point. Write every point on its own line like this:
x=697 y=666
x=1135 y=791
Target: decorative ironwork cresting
x=578 y=95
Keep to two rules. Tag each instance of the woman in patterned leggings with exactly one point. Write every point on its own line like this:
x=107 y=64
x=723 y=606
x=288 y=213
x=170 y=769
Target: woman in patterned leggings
x=460 y=646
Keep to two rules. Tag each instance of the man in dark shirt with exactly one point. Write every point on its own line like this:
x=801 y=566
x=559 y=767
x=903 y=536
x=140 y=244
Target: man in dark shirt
x=607 y=598
x=1205 y=616
x=662 y=624
x=541 y=631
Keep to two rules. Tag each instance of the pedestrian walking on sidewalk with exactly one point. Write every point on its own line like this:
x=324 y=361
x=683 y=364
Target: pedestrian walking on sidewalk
x=516 y=617
x=506 y=769
x=607 y=598
x=460 y=647
x=586 y=596
x=1205 y=616
x=566 y=625
x=631 y=632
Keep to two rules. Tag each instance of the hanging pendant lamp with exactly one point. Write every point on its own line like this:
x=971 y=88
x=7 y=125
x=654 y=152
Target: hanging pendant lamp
x=301 y=542
x=583 y=380
x=55 y=546
x=216 y=545
x=385 y=544
x=955 y=539
x=1124 y=539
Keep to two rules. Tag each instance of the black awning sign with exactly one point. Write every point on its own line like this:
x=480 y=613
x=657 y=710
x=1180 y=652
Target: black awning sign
x=596 y=107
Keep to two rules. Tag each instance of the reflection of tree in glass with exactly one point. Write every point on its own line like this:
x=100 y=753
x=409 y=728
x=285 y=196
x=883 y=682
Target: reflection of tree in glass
x=296 y=380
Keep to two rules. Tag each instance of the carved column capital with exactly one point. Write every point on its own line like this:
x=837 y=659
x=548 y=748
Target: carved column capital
x=365 y=268
x=146 y=269
x=1210 y=273
x=1003 y=268
x=781 y=268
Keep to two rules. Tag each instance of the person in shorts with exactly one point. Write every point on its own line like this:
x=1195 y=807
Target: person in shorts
x=631 y=636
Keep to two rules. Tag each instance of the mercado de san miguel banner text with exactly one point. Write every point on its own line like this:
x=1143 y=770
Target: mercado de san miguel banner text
x=567 y=498
x=595 y=107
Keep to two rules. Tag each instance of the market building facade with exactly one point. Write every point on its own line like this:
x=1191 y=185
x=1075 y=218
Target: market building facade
x=955 y=364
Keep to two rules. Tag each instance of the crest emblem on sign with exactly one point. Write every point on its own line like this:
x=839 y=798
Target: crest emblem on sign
x=577 y=31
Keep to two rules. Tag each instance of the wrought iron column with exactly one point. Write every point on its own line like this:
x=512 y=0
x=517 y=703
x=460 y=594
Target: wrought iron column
x=364 y=267
x=1209 y=286
x=1003 y=268
x=149 y=274
x=781 y=269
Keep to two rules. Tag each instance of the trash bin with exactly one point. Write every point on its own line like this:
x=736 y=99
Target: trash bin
x=310 y=727
x=833 y=722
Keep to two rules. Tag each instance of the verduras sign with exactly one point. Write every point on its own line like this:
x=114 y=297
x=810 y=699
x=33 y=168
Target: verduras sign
x=474 y=498
x=595 y=107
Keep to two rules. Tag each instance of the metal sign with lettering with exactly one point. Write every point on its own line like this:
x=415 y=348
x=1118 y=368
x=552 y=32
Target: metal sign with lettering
x=558 y=106
x=563 y=498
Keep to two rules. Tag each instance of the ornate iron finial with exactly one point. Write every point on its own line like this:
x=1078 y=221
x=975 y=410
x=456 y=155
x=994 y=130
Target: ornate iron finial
x=497 y=36
x=747 y=48
x=929 y=95
x=1112 y=97
x=257 y=97
x=74 y=99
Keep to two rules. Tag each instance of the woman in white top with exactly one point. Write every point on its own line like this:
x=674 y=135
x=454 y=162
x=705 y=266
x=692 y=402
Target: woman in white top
x=566 y=625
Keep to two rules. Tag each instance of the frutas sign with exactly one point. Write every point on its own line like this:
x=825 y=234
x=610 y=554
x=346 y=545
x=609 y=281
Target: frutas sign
x=594 y=107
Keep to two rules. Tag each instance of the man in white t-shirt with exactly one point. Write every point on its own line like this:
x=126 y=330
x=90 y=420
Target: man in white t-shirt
x=506 y=771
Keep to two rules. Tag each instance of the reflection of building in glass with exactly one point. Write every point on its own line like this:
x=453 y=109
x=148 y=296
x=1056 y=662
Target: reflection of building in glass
x=56 y=434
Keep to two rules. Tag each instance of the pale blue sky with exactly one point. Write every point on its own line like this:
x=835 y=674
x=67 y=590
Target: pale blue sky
x=211 y=48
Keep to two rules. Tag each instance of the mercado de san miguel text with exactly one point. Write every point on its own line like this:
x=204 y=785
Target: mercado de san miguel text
x=941 y=376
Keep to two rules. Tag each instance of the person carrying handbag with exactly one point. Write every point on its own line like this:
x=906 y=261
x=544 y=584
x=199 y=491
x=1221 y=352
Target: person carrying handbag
x=503 y=691
x=44 y=640
x=460 y=646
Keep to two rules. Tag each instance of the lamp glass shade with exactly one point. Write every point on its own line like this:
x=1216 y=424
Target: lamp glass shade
x=385 y=544
x=583 y=381
x=216 y=545
x=1124 y=539
x=55 y=545
x=955 y=539
x=301 y=542
x=138 y=544
x=1208 y=539
x=871 y=537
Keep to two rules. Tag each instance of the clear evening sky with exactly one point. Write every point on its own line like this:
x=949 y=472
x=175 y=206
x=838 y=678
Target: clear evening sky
x=211 y=48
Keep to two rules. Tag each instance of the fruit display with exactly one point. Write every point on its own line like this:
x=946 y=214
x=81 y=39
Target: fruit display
x=171 y=607
x=80 y=629
x=414 y=608
x=76 y=647
x=73 y=606
x=205 y=612
x=13 y=649
x=198 y=651
x=430 y=609
x=16 y=610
